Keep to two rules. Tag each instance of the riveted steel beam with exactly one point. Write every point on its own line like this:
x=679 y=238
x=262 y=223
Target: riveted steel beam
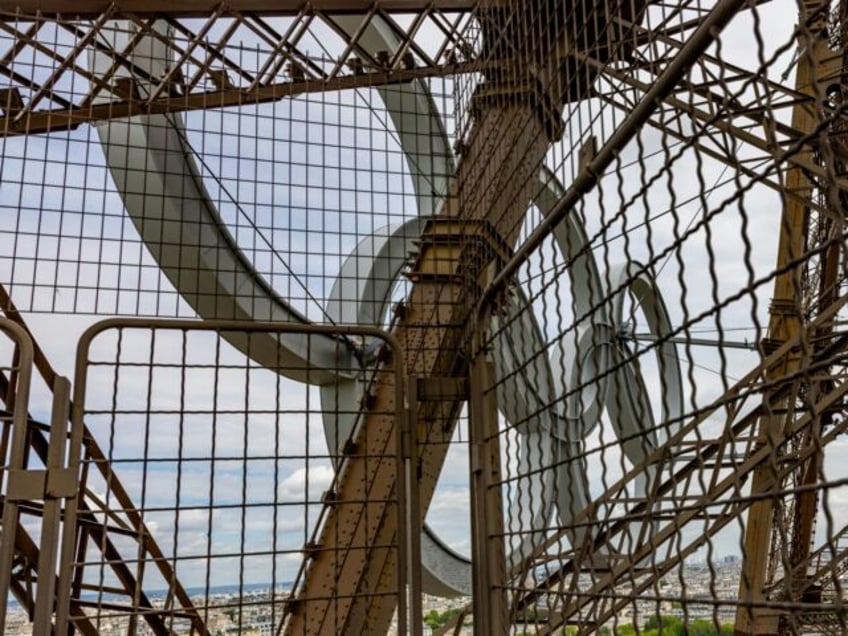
x=195 y=8
x=204 y=72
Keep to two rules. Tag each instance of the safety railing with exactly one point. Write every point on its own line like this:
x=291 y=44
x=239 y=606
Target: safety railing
x=38 y=479
x=225 y=464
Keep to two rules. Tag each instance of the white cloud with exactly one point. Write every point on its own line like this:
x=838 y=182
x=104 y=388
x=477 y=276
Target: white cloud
x=295 y=487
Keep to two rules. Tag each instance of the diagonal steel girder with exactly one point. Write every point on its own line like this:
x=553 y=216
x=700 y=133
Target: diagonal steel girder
x=731 y=114
x=712 y=509
x=725 y=122
x=207 y=70
x=350 y=582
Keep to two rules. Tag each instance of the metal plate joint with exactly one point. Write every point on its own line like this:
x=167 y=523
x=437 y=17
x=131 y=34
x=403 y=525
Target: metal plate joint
x=439 y=389
x=458 y=250
x=533 y=92
x=33 y=485
x=61 y=482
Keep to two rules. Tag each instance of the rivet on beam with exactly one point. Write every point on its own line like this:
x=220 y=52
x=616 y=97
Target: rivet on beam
x=220 y=78
x=11 y=102
x=296 y=72
x=587 y=153
x=126 y=88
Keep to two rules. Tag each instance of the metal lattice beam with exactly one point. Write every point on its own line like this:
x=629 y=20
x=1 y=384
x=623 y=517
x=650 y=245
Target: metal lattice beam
x=737 y=440
x=61 y=91
x=92 y=8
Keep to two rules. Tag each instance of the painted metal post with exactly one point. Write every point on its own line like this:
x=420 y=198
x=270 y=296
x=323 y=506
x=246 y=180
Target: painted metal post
x=487 y=536
x=17 y=456
x=60 y=484
x=409 y=457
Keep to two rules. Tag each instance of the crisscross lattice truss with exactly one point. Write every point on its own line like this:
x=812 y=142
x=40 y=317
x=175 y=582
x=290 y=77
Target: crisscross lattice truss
x=207 y=62
x=594 y=254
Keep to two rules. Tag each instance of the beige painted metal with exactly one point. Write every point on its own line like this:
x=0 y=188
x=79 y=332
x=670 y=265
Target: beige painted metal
x=56 y=482
x=17 y=453
x=41 y=486
x=60 y=487
x=79 y=504
x=70 y=118
x=784 y=325
x=488 y=200
x=492 y=191
x=209 y=74
x=489 y=573
x=41 y=489
x=739 y=430
x=659 y=91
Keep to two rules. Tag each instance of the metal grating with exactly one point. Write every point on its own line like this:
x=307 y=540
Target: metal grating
x=202 y=436
x=608 y=239
x=666 y=463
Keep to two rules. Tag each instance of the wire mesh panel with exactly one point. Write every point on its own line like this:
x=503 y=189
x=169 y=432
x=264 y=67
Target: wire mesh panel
x=38 y=481
x=230 y=467
x=666 y=450
x=16 y=377
x=622 y=230
x=278 y=191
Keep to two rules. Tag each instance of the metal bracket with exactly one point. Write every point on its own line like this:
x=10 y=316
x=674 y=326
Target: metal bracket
x=439 y=389
x=530 y=92
x=126 y=88
x=457 y=250
x=11 y=102
x=587 y=153
x=310 y=549
x=27 y=485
